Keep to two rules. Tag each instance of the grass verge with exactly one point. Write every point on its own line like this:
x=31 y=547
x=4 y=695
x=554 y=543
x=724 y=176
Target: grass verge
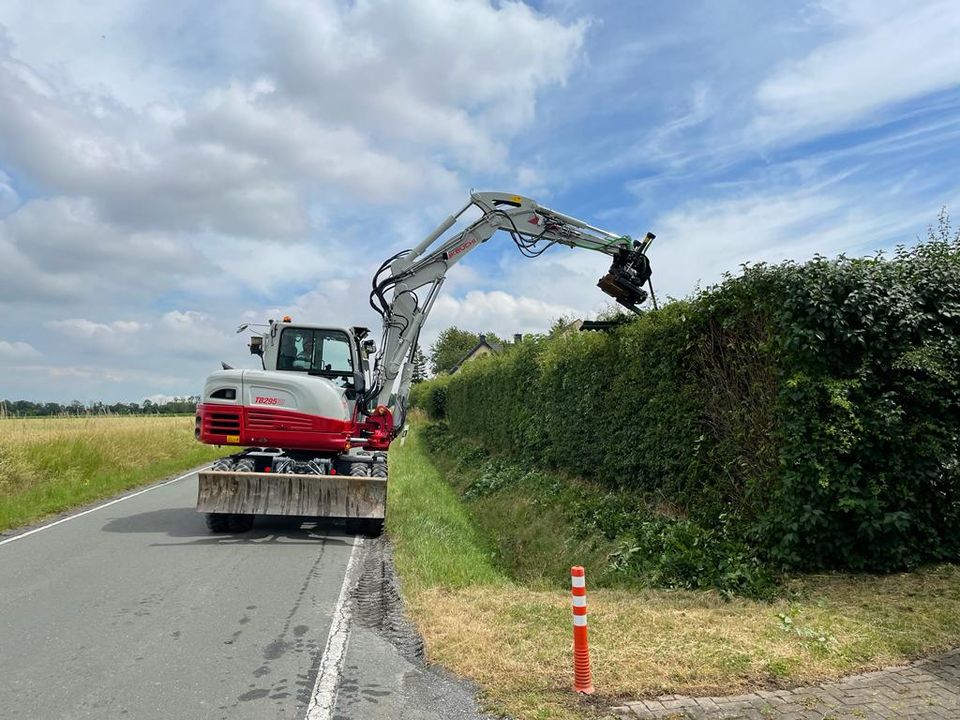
x=505 y=622
x=48 y=465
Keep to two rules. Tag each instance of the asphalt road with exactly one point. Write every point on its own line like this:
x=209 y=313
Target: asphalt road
x=136 y=611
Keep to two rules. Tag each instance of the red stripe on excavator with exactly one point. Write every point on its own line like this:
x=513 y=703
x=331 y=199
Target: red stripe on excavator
x=272 y=426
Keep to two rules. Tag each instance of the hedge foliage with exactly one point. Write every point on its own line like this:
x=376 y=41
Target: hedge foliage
x=431 y=397
x=811 y=411
x=540 y=522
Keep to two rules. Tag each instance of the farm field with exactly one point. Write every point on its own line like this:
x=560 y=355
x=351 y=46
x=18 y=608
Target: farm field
x=508 y=628
x=48 y=465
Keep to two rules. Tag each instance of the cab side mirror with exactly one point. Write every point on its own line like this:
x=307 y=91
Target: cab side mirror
x=359 y=382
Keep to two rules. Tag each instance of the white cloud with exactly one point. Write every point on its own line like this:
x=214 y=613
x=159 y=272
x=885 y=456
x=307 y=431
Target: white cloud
x=346 y=102
x=133 y=172
x=343 y=303
x=459 y=77
x=699 y=241
x=222 y=159
x=172 y=337
x=193 y=334
x=9 y=198
x=258 y=122
x=564 y=279
x=17 y=351
x=119 y=336
x=62 y=249
x=80 y=328
x=91 y=46
x=99 y=377
x=497 y=311
x=885 y=53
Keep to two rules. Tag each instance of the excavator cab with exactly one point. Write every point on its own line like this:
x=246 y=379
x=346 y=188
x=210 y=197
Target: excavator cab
x=328 y=352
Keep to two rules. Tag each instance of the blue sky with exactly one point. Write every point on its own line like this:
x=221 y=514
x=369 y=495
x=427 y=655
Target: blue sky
x=168 y=171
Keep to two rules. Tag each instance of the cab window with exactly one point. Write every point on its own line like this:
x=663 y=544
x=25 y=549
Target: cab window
x=318 y=351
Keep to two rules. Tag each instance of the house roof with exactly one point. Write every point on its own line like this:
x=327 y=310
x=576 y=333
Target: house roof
x=491 y=346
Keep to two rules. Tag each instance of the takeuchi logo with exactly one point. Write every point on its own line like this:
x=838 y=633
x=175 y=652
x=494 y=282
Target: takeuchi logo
x=262 y=400
x=462 y=247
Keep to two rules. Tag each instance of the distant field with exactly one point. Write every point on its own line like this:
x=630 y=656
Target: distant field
x=51 y=464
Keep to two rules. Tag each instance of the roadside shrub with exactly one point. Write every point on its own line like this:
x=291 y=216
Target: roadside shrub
x=431 y=396
x=806 y=416
x=418 y=394
x=642 y=546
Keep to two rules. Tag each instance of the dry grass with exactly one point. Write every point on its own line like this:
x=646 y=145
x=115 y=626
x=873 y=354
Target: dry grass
x=515 y=641
x=50 y=464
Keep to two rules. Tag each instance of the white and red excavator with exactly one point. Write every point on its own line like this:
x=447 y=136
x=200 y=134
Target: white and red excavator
x=316 y=422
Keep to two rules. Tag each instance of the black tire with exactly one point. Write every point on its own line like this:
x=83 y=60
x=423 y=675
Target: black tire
x=364 y=526
x=240 y=523
x=379 y=470
x=353 y=526
x=218 y=522
x=373 y=528
x=359 y=469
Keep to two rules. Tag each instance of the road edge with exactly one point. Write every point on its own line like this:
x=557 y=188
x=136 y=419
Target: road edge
x=323 y=700
x=18 y=533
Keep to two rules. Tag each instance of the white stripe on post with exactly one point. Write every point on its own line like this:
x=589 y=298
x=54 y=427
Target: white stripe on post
x=581 y=648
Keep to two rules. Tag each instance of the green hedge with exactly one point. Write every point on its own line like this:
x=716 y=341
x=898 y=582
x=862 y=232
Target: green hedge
x=431 y=396
x=810 y=410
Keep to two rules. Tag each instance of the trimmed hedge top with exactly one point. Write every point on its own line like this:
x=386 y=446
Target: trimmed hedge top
x=809 y=410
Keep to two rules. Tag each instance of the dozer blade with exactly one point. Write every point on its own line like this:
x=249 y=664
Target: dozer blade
x=253 y=493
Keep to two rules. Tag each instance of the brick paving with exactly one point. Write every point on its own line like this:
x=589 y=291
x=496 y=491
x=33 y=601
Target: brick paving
x=925 y=690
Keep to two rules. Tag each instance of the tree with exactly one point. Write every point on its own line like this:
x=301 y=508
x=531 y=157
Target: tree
x=419 y=366
x=943 y=232
x=560 y=324
x=452 y=344
x=450 y=347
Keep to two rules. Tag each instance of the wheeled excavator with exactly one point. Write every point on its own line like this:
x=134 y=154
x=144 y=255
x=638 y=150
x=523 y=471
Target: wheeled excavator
x=315 y=422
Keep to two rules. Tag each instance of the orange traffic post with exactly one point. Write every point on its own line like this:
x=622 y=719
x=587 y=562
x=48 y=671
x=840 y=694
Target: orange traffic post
x=582 y=682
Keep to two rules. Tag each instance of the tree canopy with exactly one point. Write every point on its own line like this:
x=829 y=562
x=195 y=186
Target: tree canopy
x=419 y=366
x=25 y=408
x=452 y=344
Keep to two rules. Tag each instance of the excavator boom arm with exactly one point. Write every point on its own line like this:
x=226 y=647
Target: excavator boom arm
x=406 y=286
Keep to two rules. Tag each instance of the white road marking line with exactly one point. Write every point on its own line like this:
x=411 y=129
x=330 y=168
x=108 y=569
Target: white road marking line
x=100 y=507
x=324 y=699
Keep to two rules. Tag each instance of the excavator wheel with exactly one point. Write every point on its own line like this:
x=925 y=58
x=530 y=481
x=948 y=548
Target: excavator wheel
x=353 y=526
x=359 y=469
x=240 y=523
x=218 y=522
x=364 y=526
x=227 y=522
x=373 y=528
